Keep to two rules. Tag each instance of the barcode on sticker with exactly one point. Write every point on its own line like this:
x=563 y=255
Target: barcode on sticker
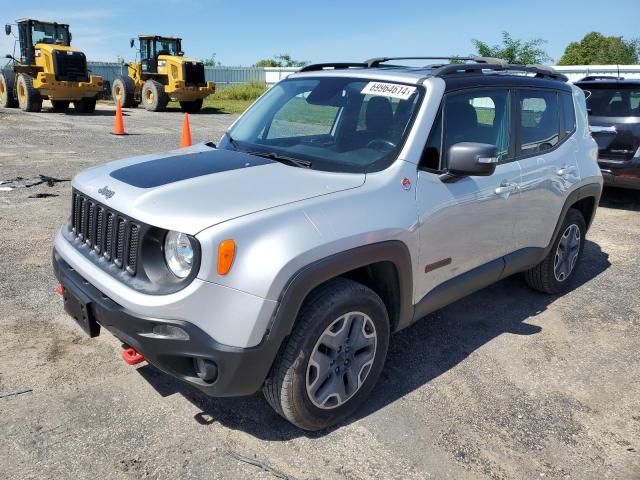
x=403 y=92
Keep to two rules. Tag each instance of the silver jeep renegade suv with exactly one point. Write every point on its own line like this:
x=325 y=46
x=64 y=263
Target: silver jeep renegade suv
x=348 y=202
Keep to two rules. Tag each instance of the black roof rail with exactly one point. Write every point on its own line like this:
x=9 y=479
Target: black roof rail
x=336 y=66
x=542 y=71
x=376 y=61
x=599 y=77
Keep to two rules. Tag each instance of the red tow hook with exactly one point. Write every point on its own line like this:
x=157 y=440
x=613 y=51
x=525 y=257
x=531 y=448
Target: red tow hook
x=131 y=356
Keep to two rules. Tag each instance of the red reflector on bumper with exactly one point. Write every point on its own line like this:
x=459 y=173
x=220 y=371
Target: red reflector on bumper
x=59 y=289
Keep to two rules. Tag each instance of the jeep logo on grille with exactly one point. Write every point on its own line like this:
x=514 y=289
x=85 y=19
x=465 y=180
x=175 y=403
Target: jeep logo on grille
x=106 y=192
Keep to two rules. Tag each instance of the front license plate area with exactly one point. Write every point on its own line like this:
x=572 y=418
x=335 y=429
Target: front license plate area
x=80 y=310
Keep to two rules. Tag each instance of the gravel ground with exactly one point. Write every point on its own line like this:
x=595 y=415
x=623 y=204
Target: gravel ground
x=506 y=383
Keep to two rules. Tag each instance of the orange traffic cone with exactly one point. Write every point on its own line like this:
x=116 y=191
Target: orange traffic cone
x=186 y=132
x=118 y=123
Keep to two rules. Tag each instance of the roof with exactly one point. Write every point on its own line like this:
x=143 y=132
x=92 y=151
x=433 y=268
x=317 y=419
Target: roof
x=159 y=37
x=607 y=81
x=23 y=20
x=452 y=70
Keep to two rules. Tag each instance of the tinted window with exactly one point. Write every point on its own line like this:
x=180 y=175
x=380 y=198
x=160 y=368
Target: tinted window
x=431 y=155
x=539 y=121
x=612 y=101
x=479 y=116
x=568 y=113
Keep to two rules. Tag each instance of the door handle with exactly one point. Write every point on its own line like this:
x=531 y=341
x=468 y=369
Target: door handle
x=506 y=188
x=566 y=170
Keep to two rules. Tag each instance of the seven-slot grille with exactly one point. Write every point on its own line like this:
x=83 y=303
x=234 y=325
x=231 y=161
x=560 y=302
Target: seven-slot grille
x=106 y=231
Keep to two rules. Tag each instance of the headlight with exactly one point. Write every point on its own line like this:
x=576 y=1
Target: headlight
x=162 y=63
x=178 y=253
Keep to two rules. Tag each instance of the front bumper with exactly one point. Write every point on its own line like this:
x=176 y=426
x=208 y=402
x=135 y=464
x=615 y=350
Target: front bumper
x=186 y=93
x=624 y=174
x=48 y=86
x=241 y=371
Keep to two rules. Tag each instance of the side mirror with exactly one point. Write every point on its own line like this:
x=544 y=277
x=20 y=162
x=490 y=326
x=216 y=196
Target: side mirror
x=7 y=29
x=132 y=42
x=470 y=158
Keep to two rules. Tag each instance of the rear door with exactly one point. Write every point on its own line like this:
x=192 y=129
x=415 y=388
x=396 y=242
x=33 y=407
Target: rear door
x=547 y=152
x=469 y=222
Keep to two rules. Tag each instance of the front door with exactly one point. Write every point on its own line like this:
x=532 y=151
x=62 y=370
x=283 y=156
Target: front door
x=470 y=222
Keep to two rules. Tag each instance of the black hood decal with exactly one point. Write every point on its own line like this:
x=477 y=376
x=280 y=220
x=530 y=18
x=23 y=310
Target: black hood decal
x=154 y=173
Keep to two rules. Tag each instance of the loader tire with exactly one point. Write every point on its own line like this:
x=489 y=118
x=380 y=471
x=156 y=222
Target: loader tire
x=124 y=89
x=7 y=85
x=60 y=105
x=85 y=105
x=29 y=98
x=191 y=107
x=154 y=98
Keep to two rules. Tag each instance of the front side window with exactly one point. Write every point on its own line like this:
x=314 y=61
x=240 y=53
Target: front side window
x=613 y=101
x=480 y=116
x=332 y=123
x=539 y=122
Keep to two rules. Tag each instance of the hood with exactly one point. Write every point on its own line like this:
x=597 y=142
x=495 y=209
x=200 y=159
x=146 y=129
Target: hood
x=194 y=188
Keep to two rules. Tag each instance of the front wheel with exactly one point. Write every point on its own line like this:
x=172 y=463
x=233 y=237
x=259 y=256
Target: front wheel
x=191 y=107
x=333 y=357
x=85 y=105
x=555 y=272
x=29 y=98
x=154 y=97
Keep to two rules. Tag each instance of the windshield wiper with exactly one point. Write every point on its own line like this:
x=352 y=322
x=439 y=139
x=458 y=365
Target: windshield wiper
x=283 y=159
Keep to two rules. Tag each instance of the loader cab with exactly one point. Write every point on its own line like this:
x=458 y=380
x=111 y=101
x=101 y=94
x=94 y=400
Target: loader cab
x=152 y=46
x=32 y=32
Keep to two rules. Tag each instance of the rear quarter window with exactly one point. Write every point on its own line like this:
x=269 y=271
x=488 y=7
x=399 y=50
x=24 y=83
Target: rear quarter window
x=612 y=100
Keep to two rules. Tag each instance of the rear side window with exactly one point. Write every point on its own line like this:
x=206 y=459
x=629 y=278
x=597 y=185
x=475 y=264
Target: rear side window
x=539 y=122
x=612 y=101
x=568 y=114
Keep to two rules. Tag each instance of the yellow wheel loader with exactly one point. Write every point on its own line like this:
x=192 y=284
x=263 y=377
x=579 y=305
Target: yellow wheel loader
x=162 y=74
x=47 y=68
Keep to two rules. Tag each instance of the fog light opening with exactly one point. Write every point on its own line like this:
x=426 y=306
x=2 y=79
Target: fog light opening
x=206 y=370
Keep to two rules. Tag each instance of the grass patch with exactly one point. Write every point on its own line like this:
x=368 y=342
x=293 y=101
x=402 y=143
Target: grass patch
x=232 y=99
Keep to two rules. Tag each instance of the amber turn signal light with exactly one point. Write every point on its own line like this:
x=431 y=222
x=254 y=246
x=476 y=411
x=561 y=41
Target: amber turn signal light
x=226 y=254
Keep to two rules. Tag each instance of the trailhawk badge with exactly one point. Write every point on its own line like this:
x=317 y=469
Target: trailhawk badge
x=105 y=192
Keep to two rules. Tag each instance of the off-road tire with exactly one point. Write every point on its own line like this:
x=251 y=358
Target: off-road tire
x=285 y=388
x=191 y=107
x=154 y=98
x=542 y=277
x=60 y=105
x=7 y=85
x=126 y=88
x=29 y=98
x=85 y=105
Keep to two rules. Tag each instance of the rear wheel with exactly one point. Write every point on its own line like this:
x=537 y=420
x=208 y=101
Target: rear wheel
x=154 y=97
x=29 y=98
x=124 y=89
x=85 y=105
x=7 y=84
x=333 y=357
x=555 y=272
x=60 y=105
x=191 y=107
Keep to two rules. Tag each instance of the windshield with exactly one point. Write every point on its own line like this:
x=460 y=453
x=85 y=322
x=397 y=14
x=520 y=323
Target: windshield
x=167 y=47
x=49 y=33
x=330 y=123
x=613 y=101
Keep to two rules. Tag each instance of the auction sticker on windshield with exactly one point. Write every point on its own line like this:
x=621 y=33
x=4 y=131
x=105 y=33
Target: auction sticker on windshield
x=403 y=92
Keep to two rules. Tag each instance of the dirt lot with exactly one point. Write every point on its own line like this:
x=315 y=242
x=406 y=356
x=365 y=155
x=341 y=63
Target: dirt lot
x=504 y=384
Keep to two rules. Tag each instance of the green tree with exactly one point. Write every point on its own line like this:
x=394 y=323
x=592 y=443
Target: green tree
x=513 y=50
x=596 y=49
x=211 y=61
x=283 y=60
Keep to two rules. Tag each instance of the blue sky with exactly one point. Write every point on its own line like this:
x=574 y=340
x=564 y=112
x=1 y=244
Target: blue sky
x=240 y=33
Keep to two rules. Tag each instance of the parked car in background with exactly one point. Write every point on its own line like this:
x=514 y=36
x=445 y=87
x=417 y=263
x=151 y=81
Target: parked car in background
x=613 y=105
